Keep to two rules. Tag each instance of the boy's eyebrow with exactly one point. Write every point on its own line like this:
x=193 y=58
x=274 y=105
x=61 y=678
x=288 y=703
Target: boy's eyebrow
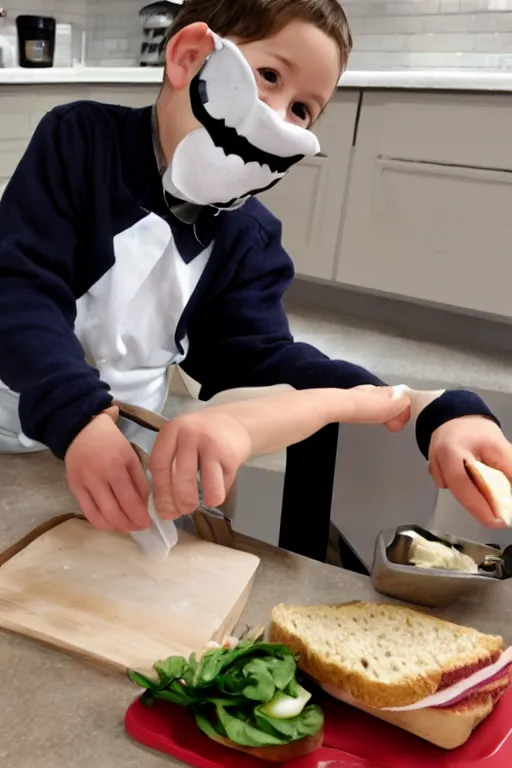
x=284 y=60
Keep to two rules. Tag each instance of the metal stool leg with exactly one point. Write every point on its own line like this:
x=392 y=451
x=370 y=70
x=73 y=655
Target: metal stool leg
x=307 y=499
x=307 y=494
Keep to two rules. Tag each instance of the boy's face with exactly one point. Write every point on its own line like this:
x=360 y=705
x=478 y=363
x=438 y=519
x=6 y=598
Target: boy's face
x=296 y=71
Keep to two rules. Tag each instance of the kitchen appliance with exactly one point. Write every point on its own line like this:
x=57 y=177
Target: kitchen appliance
x=156 y=18
x=96 y=594
x=36 y=40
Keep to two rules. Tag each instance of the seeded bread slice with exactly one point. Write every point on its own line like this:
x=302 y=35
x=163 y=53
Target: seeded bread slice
x=383 y=655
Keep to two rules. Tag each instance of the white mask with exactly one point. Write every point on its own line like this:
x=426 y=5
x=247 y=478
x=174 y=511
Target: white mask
x=243 y=147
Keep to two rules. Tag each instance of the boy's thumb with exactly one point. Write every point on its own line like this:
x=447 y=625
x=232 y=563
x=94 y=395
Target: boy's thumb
x=113 y=412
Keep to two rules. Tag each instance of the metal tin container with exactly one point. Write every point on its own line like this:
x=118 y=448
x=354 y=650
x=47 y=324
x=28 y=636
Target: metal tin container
x=394 y=575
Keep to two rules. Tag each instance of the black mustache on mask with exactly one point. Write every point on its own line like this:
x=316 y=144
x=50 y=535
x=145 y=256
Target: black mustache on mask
x=228 y=139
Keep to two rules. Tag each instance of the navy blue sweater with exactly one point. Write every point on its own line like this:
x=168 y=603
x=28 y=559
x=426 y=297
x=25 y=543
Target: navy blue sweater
x=89 y=174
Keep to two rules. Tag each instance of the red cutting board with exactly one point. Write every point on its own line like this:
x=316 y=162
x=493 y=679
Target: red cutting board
x=353 y=739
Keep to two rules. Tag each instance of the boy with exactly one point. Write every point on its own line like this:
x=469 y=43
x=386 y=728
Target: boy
x=130 y=241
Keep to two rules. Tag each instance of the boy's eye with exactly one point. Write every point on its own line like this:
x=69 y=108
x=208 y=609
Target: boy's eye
x=269 y=75
x=301 y=111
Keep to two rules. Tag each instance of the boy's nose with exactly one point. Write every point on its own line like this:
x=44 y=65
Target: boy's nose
x=277 y=103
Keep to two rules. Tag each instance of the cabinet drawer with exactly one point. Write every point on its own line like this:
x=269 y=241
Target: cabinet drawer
x=431 y=232
x=11 y=153
x=309 y=200
x=459 y=129
x=128 y=95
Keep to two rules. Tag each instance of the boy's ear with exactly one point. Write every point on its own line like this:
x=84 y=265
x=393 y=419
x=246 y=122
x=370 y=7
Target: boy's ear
x=185 y=54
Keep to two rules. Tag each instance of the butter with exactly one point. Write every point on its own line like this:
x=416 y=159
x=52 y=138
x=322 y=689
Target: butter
x=433 y=554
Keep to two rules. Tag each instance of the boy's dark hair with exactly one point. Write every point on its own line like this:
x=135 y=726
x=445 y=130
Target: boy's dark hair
x=258 y=19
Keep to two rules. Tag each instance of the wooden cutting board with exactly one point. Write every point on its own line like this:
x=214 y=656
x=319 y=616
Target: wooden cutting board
x=96 y=594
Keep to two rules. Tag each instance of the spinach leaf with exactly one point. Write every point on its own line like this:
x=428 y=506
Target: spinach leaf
x=175 y=696
x=225 y=688
x=170 y=669
x=245 y=734
x=141 y=680
x=231 y=681
x=216 y=660
x=206 y=726
x=293 y=688
x=261 y=685
x=282 y=670
x=306 y=724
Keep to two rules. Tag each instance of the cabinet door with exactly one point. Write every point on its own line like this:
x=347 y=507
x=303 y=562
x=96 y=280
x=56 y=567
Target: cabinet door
x=22 y=107
x=309 y=200
x=423 y=227
x=129 y=95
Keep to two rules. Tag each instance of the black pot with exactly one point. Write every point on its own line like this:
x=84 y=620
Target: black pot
x=36 y=41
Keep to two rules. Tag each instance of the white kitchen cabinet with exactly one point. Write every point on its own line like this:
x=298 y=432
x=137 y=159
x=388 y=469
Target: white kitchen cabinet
x=128 y=95
x=23 y=106
x=429 y=210
x=309 y=200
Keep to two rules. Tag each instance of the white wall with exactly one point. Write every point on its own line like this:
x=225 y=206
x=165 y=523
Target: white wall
x=388 y=35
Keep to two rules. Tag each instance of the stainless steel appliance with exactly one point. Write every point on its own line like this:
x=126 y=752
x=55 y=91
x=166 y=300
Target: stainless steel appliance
x=156 y=18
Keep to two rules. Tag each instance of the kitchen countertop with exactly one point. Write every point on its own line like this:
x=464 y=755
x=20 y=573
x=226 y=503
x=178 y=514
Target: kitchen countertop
x=57 y=712
x=452 y=80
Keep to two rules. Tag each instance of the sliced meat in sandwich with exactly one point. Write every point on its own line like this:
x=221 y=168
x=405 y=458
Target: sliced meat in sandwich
x=430 y=677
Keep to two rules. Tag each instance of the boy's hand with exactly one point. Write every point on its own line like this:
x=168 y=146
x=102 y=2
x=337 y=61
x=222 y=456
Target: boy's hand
x=397 y=423
x=469 y=437
x=211 y=442
x=218 y=440
x=106 y=476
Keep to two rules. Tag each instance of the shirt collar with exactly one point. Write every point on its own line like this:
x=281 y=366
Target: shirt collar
x=186 y=212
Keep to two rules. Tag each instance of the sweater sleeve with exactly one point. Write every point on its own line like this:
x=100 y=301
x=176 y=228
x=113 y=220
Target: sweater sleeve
x=243 y=339
x=41 y=216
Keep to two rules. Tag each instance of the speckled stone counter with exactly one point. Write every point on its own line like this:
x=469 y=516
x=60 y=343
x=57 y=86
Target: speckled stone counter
x=58 y=712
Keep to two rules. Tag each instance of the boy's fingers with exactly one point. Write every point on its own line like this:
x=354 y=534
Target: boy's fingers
x=90 y=509
x=436 y=474
x=466 y=493
x=382 y=405
x=138 y=478
x=133 y=505
x=109 y=507
x=160 y=465
x=398 y=422
x=184 y=473
x=212 y=479
x=504 y=461
x=165 y=506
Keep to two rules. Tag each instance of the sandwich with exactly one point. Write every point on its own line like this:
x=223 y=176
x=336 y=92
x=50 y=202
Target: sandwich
x=430 y=677
x=494 y=486
x=243 y=694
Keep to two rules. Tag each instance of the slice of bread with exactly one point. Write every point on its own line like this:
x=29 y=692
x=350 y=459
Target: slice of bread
x=282 y=754
x=494 y=486
x=449 y=727
x=382 y=655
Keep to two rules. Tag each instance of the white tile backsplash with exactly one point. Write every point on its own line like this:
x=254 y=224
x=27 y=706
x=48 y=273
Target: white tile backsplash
x=388 y=34
x=435 y=34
